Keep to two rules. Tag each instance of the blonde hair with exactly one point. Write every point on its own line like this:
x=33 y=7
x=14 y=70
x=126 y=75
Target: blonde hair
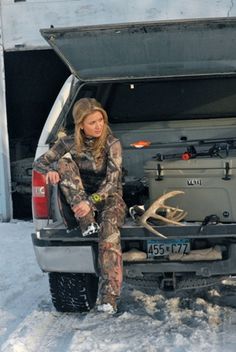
x=82 y=108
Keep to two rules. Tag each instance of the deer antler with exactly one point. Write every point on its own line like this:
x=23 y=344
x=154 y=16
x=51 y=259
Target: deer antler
x=173 y=215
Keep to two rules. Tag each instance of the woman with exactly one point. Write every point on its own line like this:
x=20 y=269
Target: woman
x=87 y=167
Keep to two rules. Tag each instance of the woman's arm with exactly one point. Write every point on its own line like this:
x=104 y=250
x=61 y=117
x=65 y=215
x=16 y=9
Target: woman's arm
x=47 y=162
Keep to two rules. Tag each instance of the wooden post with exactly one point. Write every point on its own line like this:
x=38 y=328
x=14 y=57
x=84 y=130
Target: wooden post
x=5 y=181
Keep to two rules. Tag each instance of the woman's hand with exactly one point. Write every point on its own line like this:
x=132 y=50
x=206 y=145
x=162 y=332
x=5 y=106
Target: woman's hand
x=81 y=209
x=52 y=177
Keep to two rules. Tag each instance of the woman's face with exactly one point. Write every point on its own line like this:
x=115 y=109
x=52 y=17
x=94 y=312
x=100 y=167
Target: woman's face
x=93 y=124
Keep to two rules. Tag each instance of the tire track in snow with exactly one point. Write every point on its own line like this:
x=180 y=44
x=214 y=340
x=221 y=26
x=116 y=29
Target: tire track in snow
x=146 y=323
x=43 y=331
x=20 y=303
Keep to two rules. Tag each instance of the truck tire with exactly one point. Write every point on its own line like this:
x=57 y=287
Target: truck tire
x=73 y=292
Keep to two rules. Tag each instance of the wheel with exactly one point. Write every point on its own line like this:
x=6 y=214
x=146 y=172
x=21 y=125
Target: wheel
x=73 y=292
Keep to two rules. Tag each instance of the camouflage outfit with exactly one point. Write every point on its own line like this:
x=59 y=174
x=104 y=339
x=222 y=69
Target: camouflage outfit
x=80 y=177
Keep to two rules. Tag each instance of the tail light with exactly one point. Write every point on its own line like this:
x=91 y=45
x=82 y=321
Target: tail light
x=40 y=196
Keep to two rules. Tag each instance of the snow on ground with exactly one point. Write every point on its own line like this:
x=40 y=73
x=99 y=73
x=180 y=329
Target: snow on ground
x=29 y=323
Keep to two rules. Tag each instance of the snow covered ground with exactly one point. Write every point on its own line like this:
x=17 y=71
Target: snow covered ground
x=29 y=323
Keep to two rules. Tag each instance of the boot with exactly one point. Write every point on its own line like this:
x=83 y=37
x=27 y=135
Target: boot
x=108 y=304
x=88 y=225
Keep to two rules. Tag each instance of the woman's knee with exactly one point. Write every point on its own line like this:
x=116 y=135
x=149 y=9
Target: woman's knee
x=114 y=213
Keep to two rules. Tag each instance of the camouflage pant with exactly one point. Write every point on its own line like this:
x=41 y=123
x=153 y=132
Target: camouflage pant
x=110 y=216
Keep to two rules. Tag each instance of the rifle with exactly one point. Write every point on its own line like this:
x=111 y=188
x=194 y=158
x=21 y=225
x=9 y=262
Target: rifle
x=228 y=140
x=231 y=141
x=191 y=153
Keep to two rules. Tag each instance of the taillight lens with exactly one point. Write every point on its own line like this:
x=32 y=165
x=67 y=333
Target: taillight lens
x=40 y=199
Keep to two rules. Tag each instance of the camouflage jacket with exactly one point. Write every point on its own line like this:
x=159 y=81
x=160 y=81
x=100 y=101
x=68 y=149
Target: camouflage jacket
x=103 y=177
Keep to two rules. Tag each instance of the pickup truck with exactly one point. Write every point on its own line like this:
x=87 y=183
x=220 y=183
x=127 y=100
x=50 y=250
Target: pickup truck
x=170 y=88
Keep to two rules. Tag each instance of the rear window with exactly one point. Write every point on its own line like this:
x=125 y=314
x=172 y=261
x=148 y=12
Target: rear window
x=172 y=100
x=168 y=100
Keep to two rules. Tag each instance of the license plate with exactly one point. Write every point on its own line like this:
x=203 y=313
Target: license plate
x=156 y=248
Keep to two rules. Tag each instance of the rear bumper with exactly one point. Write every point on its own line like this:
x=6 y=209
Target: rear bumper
x=225 y=267
x=59 y=251
x=65 y=258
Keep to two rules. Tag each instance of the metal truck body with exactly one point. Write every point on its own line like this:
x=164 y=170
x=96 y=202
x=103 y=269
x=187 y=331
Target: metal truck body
x=169 y=83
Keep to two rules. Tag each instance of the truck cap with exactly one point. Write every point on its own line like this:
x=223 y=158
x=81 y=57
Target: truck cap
x=165 y=49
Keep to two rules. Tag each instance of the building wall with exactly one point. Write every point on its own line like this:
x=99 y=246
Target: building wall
x=5 y=192
x=23 y=19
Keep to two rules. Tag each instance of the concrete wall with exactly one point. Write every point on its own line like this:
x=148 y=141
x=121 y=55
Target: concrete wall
x=22 y=20
x=5 y=191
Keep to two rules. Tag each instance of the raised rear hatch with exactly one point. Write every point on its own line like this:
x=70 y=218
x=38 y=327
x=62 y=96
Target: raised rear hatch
x=147 y=50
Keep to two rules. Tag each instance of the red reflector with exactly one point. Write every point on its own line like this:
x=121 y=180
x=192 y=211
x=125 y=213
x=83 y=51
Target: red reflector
x=40 y=198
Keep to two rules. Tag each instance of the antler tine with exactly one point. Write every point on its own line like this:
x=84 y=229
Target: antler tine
x=179 y=217
x=159 y=204
x=149 y=227
x=167 y=220
x=176 y=214
x=172 y=213
x=172 y=209
x=168 y=195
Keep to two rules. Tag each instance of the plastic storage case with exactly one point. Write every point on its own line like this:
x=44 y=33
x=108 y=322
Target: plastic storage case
x=209 y=184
